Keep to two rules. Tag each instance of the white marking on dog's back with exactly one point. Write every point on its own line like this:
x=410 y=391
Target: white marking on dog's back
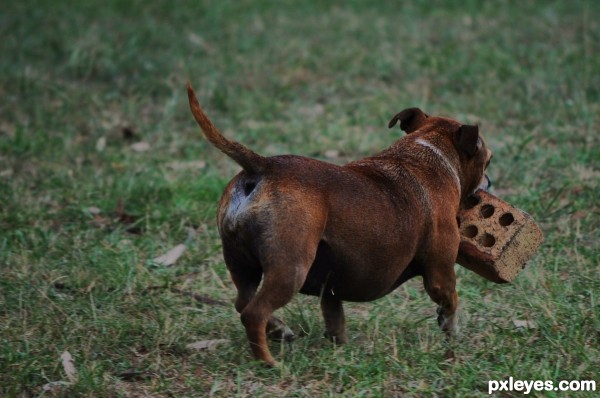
x=443 y=158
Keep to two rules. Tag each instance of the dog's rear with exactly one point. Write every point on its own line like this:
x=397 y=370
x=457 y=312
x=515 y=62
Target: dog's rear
x=257 y=241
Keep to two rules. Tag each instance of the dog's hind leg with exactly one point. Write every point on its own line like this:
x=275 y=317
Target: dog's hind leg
x=276 y=291
x=246 y=280
x=286 y=256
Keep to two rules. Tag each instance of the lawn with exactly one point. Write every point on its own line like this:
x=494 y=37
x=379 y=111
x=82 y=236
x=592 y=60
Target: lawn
x=102 y=170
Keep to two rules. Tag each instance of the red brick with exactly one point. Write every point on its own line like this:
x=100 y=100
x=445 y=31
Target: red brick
x=497 y=239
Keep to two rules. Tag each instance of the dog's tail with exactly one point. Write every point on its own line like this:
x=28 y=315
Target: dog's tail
x=250 y=161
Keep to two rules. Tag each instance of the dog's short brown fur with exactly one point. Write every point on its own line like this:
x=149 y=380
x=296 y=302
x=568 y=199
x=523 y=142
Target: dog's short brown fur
x=346 y=233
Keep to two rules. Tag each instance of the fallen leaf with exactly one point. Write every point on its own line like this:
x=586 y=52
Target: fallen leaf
x=199 y=41
x=519 y=323
x=100 y=222
x=311 y=111
x=210 y=345
x=195 y=39
x=69 y=366
x=101 y=144
x=192 y=309
x=418 y=384
x=7 y=129
x=579 y=215
x=191 y=165
x=191 y=236
x=332 y=154
x=586 y=173
x=141 y=146
x=171 y=257
x=54 y=386
x=90 y=286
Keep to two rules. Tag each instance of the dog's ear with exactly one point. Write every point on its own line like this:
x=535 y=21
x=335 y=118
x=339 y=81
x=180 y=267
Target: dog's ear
x=466 y=139
x=410 y=119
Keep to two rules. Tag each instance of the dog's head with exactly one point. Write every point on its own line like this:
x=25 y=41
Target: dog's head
x=473 y=154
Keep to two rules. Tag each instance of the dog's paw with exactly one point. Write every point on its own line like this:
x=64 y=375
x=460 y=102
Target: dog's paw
x=279 y=331
x=447 y=323
x=335 y=338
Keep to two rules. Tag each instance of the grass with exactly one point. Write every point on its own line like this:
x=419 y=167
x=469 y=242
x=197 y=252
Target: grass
x=82 y=213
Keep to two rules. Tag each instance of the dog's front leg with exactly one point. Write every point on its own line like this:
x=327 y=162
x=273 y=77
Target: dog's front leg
x=335 y=322
x=440 y=284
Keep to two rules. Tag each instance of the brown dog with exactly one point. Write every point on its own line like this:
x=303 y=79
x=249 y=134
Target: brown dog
x=346 y=233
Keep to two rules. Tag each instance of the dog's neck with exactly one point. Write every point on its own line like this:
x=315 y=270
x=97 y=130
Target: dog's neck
x=444 y=160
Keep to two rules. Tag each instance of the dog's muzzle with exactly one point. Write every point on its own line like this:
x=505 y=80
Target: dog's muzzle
x=485 y=183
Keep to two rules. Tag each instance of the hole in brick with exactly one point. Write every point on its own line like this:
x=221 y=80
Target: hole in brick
x=472 y=201
x=487 y=211
x=488 y=240
x=506 y=219
x=471 y=231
